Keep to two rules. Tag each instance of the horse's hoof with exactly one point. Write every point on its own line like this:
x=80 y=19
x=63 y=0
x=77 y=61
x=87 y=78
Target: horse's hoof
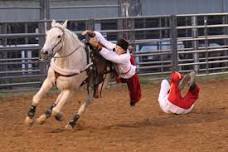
x=59 y=116
x=28 y=121
x=41 y=120
x=69 y=127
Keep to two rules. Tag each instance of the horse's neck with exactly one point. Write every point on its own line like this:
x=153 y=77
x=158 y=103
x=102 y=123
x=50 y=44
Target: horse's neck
x=71 y=61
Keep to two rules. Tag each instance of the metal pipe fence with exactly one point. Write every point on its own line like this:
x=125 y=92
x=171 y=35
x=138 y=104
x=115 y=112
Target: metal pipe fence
x=161 y=44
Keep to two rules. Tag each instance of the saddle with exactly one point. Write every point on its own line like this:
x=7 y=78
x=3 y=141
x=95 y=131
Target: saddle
x=97 y=71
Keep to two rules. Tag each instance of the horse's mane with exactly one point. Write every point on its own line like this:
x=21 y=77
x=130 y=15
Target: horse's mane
x=70 y=32
x=75 y=37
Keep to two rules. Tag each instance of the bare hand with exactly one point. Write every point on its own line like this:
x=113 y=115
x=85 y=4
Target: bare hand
x=93 y=41
x=89 y=32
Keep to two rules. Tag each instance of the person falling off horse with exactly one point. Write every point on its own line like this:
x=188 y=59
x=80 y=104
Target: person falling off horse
x=124 y=63
x=170 y=98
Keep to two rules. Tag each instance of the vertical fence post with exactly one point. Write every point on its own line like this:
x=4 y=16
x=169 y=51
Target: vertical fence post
x=131 y=36
x=195 y=43
x=120 y=27
x=160 y=46
x=90 y=24
x=4 y=54
x=120 y=21
x=44 y=16
x=173 y=41
x=206 y=42
x=225 y=32
x=128 y=8
x=123 y=23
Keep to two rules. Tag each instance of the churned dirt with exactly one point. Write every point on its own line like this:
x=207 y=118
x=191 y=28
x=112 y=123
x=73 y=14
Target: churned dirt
x=111 y=125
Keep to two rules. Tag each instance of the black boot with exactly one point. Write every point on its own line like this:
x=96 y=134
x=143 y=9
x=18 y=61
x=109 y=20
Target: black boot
x=132 y=103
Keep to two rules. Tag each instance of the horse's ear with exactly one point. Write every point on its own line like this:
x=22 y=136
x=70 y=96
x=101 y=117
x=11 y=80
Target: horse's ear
x=65 y=24
x=53 y=23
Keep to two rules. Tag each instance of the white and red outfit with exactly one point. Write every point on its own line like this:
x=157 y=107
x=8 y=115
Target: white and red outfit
x=124 y=68
x=170 y=98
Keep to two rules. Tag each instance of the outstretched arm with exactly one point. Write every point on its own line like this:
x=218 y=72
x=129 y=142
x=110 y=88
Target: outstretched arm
x=109 y=45
x=113 y=57
x=110 y=55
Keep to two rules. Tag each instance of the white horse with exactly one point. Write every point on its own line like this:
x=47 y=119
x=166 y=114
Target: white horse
x=66 y=72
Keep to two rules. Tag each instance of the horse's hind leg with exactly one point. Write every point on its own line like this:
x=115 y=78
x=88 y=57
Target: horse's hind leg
x=72 y=123
x=66 y=94
x=46 y=86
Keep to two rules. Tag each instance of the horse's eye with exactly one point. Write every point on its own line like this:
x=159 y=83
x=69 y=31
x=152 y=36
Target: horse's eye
x=59 y=36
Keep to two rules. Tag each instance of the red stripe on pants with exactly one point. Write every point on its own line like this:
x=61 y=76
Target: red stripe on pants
x=134 y=88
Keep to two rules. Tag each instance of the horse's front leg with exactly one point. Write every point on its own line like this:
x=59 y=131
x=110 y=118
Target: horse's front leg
x=55 y=109
x=48 y=112
x=72 y=123
x=46 y=86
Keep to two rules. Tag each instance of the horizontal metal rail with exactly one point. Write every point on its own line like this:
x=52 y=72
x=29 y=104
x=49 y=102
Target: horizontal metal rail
x=20 y=48
x=214 y=68
x=18 y=7
x=203 y=51
x=23 y=76
x=200 y=48
x=19 y=71
x=133 y=30
x=154 y=66
x=202 y=26
x=18 y=59
x=201 y=63
x=202 y=14
x=155 y=74
x=20 y=63
x=18 y=35
x=154 y=63
x=83 y=6
x=153 y=53
x=208 y=58
x=19 y=84
x=209 y=37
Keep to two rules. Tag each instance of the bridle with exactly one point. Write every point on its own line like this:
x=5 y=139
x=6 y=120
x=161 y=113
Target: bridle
x=61 y=41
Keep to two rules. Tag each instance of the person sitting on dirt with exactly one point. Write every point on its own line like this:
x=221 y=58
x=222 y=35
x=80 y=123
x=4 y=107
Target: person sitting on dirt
x=120 y=56
x=170 y=99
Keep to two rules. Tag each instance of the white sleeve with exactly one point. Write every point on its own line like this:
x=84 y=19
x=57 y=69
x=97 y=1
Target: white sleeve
x=109 y=45
x=113 y=57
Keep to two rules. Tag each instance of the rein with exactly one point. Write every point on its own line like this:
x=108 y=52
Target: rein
x=62 y=40
x=57 y=73
x=67 y=54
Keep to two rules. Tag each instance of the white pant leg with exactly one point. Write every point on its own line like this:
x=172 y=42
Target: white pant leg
x=163 y=95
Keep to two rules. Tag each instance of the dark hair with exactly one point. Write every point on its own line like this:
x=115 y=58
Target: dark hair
x=123 y=44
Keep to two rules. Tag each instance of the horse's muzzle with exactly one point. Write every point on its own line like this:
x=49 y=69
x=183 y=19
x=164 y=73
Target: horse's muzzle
x=43 y=55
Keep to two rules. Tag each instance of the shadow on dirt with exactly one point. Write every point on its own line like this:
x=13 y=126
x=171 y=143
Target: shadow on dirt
x=177 y=120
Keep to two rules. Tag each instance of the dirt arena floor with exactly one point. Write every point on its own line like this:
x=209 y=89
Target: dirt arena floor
x=111 y=125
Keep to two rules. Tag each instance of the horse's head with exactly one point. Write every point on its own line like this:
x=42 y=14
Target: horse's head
x=54 y=39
